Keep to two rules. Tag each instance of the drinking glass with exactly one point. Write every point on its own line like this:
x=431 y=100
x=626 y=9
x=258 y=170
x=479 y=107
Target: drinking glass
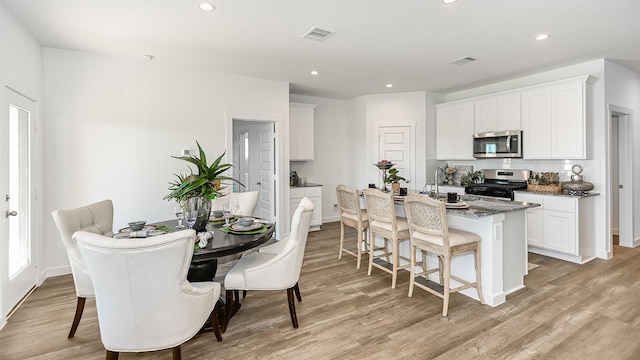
x=226 y=213
x=190 y=218
x=177 y=209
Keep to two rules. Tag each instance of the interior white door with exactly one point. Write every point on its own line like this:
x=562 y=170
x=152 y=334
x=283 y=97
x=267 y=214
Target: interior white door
x=266 y=202
x=395 y=146
x=18 y=265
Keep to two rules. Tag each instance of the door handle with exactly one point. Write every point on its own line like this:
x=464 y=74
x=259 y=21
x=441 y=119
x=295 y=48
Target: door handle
x=10 y=213
x=620 y=187
x=258 y=183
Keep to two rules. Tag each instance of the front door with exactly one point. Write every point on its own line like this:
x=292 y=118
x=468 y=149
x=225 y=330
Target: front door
x=18 y=273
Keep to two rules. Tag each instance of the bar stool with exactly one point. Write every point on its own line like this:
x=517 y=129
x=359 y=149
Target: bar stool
x=384 y=223
x=352 y=215
x=430 y=233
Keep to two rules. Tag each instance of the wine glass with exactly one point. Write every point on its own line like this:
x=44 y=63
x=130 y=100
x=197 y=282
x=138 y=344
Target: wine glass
x=190 y=217
x=226 y=213
x=177 y=209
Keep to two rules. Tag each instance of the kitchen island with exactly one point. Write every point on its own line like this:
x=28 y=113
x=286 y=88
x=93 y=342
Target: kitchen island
x=501 y=226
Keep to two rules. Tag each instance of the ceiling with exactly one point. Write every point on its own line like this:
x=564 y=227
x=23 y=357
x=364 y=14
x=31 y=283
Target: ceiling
x=408 y=43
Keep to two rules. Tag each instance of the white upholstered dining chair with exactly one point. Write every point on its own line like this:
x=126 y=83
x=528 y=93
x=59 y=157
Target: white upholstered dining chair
x=429 y=232
x=273 y=267
x=353 y=216
x=96 y=218
x=240 y=203
x=143 y=298
x=383 y=222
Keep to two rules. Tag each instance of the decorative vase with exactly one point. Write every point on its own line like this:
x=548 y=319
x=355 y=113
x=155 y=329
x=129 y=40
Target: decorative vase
x=395 y=187
x=203 y=207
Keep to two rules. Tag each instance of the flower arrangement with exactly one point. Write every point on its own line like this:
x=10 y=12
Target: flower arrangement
x=450 y=172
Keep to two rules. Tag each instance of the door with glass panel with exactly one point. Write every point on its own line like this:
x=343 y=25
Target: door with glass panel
x=17 y=248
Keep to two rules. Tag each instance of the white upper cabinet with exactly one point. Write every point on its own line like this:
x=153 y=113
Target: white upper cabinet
x=536 y=123
x=454 y=131
x=497 y=113
x=301 y=141
x=556 y=122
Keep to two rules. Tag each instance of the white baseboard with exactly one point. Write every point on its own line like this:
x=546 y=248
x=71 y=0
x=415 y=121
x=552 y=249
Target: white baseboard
x=55 y=271
x=330 y=219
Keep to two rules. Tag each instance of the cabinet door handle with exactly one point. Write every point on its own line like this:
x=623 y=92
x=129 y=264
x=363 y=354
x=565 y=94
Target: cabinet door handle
x=10 y=213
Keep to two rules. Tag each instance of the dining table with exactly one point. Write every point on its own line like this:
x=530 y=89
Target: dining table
x=223 y=242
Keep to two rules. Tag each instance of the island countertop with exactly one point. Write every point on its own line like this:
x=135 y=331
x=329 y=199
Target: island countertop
x=482 y=206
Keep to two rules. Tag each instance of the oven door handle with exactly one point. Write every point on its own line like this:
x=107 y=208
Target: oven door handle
x=509 y=144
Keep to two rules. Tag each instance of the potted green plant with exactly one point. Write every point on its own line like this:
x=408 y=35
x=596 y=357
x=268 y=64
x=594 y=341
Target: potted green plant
x=394 y=179
x=197 y=189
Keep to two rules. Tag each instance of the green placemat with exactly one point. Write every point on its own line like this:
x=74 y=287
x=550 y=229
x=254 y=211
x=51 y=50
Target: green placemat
x=256 y=231
x=166 y=229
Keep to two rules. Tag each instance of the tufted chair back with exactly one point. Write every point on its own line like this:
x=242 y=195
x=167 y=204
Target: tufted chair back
x=96 y=218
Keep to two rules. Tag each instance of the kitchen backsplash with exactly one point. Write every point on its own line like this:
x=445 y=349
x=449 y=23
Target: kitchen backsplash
x=591 y=168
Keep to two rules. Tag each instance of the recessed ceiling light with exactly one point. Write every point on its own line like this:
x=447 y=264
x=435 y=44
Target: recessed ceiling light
x=147 y=57
x=207 y=7
x=314 y=72
x=389 y=85
x=542 y=37
x=448 y=1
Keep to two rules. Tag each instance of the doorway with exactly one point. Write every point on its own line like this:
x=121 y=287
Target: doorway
x=620 y=170
x=397 y=144
x=18 y=274
x=254 y=162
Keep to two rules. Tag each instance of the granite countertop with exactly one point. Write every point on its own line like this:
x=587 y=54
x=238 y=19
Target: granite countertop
x=479 y=207
x=307 y=185
x=588 y=194
x=482 y=206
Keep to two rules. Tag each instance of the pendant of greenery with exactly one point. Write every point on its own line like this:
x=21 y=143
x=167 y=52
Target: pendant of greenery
x=200 y=184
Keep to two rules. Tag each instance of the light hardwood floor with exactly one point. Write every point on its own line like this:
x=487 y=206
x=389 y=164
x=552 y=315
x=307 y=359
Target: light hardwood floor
x=567 y=311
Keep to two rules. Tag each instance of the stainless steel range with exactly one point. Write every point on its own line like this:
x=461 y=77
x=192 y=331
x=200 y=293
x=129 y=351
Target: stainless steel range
x=500 y=183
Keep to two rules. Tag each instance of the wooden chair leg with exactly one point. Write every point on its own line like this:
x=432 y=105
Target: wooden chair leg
x=228 y=306
x=292 y=307
x=412 y=269
x=341 y=240
x=112 y=355
x=76 y=318
x=176 y=353
x=478 y=275
x=215 y=323
x=244 y=294
x=296 y=288
x=447 y=286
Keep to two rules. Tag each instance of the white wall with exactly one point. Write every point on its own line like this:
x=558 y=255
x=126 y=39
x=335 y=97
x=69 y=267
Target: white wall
x=112 y=126
x=397 y=109
x=21 y=69
x=623 y=89
x=331 y=165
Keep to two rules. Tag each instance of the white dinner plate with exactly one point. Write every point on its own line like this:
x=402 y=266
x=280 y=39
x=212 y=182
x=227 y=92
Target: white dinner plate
x=238 y=227
x=458 y=205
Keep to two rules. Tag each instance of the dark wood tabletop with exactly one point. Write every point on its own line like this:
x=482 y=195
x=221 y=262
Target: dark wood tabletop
x=223 y=244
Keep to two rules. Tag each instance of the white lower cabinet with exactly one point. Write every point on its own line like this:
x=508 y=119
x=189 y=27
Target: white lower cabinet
x=314 y=193
x=561 y=227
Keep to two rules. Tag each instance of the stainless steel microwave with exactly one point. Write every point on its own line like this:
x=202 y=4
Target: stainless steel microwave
x=503 y=144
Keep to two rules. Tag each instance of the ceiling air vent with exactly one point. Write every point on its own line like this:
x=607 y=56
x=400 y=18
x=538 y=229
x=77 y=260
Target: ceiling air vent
x=318 y=34
x=463 y=61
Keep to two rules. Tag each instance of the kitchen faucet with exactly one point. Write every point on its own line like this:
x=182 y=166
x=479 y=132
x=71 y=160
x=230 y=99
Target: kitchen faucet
x=436 y=194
